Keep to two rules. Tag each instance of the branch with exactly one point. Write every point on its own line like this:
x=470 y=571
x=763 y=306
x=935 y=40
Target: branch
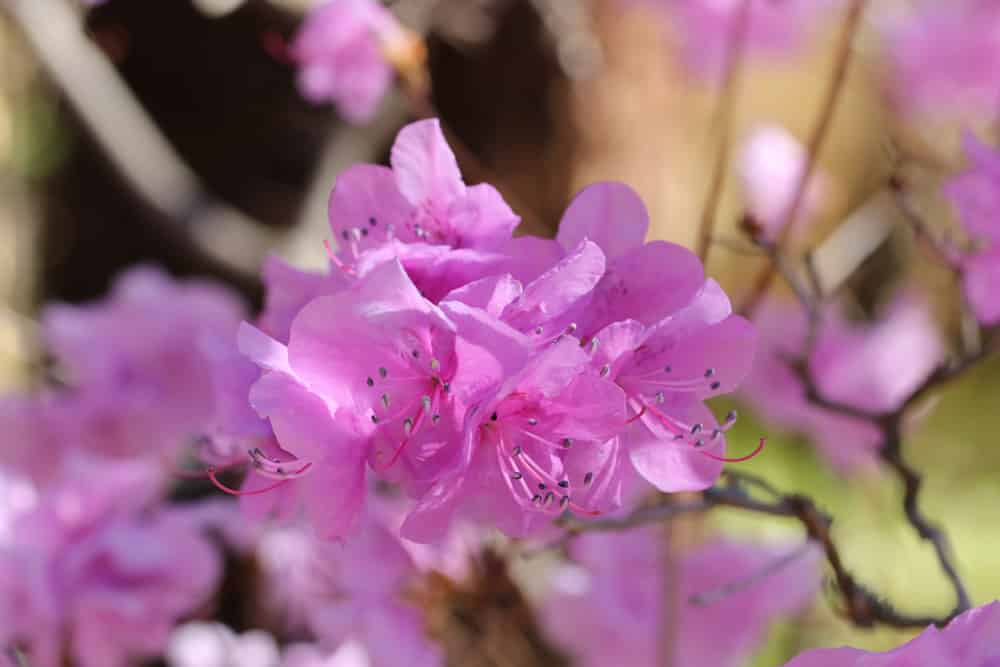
x=863 y=607
x=723 y=123
x=843 y=61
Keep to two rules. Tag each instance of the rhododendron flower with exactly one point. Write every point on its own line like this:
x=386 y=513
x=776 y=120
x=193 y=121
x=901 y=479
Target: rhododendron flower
x=616 y=589
x=770 y=165
x=537 y=444
x=341 y=51
x=92 y=569
x=421 y=212
x=945 y=58
x=971 y=640
x=976 y=194
x=139 y=362
x=706 y=28
x=203 y=644
x=872 y=367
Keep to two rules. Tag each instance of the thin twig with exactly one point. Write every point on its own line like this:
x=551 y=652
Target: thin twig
x=843 y=61
x=862 y=607
x=711 y=596
x=722 y=123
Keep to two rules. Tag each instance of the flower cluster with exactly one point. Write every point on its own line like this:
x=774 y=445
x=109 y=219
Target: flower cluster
x=500 y=379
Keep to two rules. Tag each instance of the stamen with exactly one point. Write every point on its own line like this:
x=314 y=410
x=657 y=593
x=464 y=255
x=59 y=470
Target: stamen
x=563 y=502
x=741 y=459
x=256 y=492
x=605 y=369
x=567 y=443
x=370 y=382
x=715 y=385
x=564 y=484
x=516 y=476
x=588 y=478
x=709 y=372
x=383 y=372
x=385 y=400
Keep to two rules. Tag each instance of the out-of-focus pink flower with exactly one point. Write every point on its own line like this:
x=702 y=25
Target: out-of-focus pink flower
x=770 y=165
x=349 y=654
x=618 y=590
x=204 y=644
x=976 y=195
x=971 y=640
x=706 y=28
x=871 y=367
x=93 y=569
x=341 y=52
x=139 y=362
x=945 y=58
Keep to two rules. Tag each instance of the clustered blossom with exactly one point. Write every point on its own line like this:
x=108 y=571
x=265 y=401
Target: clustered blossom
x=971 y=640
x=89 y=567
x=872 y=367
x=976 y=195
x=495 y=379
x=707 y=28
x=342 y=50
x=945 y=58
x=617 y=589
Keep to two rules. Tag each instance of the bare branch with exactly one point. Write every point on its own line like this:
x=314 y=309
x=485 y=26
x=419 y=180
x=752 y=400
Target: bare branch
x=844 y=55
x=722 y=123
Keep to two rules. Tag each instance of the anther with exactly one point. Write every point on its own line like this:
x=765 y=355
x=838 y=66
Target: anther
x=571 y=328
x=345 y=235
x=383 y=372
x=370 y=382
x=536 y=499
x=660 y=397
x=549 y=497
x=564 y=484
x=539 y=330
x=364 y=232
x=731 y=416
x=407 y=425
x=541 y=486
x=516 y=476
x=715 y=385
x=374 y=419
x=709 y=372
x=446 y=386
x=699 y=443
x=594 y=342
x=435 y=418
x=588 y=478
x=416 y=354
x=567 y=443
x=532 y=421
x=426 y=401
x=385 y=400
x=696 y=429
x=372 y=221
x=668 y=368
x=563 y=502
x=605 y=369
x=516 y=451
x=493 y=417
x=435 y=365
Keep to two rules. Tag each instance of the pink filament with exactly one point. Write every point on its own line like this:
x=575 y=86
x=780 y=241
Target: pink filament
x=236 y=492
x=741 y=459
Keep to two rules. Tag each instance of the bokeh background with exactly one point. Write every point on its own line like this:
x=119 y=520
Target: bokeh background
x=172 y=131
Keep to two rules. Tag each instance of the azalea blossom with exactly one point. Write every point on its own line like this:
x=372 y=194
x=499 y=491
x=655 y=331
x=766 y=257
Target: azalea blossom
x=971 y=640
x=615 y=587
x=90 y=573
x=341 y=49
x=706 y=28
x=872 y=367
x=139 y=363
x=945 y=58
x=975 y=194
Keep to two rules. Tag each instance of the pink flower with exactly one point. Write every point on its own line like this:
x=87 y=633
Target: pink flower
x=770 y=165
x=139 y=362
x=946 y=58
x=535 y=445
x=706 y=28
x=872 y=367
x=340 y=49
x=92 y=569
x=976 y=194
x=971 y=640
x=617 y=589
